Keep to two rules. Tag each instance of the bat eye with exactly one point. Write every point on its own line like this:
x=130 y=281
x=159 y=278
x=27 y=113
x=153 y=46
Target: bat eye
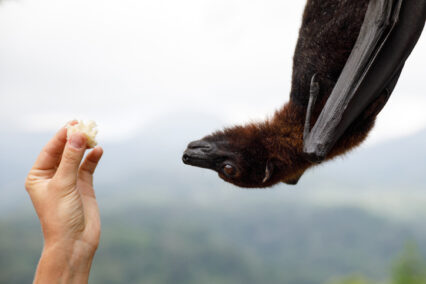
x=229 y=170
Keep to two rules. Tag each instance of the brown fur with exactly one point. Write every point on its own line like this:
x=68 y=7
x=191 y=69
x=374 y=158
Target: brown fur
x=281 y=139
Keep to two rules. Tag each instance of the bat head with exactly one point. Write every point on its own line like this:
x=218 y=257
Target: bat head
x=238 y=156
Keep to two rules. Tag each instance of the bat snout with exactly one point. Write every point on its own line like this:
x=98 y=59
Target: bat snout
x=200 y=145
x=199 y=153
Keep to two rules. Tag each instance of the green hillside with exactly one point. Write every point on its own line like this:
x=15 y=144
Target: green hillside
x=189 y=243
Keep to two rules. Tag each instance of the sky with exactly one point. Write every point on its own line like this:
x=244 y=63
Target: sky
x=128 y=63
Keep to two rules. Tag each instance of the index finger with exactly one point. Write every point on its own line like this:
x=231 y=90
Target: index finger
x=51 y=154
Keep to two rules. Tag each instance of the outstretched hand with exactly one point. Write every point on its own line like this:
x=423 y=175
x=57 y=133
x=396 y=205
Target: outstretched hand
x=61 y=189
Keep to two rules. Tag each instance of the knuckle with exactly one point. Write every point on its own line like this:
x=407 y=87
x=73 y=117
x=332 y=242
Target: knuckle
x=27 y=185
x=71 y=156
x=83 y=174
x=88 y=168
x=29 y=182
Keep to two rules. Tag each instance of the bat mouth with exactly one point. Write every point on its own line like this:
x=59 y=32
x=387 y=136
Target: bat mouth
x=199 y=154
x=197 y=161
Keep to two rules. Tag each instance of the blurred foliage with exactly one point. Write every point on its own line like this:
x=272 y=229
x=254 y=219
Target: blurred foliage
x=180 y=242
x=409 y=268
x=353 y=280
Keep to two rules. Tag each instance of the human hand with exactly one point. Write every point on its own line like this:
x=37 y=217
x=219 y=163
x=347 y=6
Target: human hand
x=61 y=190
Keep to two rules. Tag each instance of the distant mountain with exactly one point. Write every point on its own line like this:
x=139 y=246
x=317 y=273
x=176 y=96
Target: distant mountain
x=152 y=159
x=163 y=220
x=182 y=242
x=399 y=163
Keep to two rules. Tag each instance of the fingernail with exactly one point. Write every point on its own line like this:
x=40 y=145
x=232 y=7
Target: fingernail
x=71 y=122
x=77 y=141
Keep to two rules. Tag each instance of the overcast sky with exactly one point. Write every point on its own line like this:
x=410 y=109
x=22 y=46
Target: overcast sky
x=128 y=63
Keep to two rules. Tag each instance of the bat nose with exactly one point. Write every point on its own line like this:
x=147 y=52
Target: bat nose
x=185 y=158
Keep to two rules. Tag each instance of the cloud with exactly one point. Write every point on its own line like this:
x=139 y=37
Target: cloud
x=129 y=62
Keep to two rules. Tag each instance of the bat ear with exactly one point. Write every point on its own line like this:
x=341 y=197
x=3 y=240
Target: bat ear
x=269 y=170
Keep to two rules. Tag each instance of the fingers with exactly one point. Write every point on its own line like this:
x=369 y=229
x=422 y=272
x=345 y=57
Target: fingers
x=71 y=158
x=91 y=209
x=89 y=164
x=51 y=154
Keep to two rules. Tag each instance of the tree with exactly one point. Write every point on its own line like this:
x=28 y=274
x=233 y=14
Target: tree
x=353 y=280
x=410 y=268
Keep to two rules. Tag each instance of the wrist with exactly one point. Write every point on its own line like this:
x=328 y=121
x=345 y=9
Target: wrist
x=65 y=262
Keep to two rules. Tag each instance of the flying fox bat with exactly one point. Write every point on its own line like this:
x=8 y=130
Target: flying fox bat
x=348 y=59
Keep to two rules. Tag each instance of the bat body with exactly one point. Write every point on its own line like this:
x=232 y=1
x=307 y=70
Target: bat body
x=389 y=33
x=347 y=61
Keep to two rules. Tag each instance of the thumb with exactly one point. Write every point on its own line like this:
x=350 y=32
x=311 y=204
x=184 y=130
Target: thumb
x=71 y=159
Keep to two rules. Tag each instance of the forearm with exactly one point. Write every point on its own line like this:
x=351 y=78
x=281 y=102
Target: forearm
x=65 y=263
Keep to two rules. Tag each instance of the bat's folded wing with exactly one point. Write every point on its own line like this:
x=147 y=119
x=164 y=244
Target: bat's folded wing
x=389 y=33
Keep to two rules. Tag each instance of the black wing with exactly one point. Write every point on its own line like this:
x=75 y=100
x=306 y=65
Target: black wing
x=390 y=30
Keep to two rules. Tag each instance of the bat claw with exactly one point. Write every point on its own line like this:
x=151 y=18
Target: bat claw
x=315 y=87
x=313 y=94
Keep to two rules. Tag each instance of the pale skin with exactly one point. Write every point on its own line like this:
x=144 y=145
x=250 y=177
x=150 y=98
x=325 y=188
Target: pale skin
x=60 y=185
